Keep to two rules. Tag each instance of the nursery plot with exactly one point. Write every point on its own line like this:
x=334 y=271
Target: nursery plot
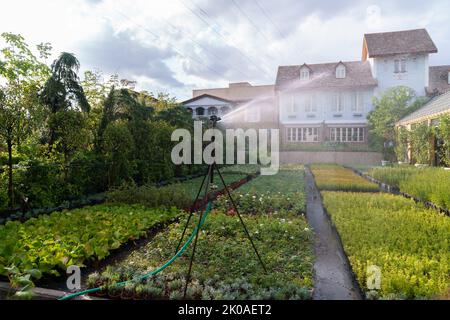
x=50 y=243
x=409 y=243
x=427 y=184
x=283 y=191
x=337 y=178
x=225 y=265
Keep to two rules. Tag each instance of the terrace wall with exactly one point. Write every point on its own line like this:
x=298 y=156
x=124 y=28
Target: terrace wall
x=351 y=158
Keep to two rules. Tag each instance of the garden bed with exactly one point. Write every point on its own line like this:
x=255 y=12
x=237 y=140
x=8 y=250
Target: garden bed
x=408 y=242
x=429 y=185
x=338 y=178
x=225 y=266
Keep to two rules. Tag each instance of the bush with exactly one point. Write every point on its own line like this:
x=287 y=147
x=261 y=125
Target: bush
x=150 y=196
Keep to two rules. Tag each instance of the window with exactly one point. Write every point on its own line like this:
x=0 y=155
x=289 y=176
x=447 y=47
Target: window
x=212 y=111
x=347 y=134
x=200 y=111
x=400 y=65
x=309 y=103
x=292 y=108
x=337 y=104
x=403 y=65
x=357 y=101
x=304 y=73
x=302 y=134
x=340 y=71
x=396 y=66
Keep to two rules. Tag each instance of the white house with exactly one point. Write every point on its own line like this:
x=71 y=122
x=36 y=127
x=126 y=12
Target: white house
x=329 y=102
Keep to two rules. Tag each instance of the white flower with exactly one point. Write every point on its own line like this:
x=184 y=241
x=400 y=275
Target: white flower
x=307 y=229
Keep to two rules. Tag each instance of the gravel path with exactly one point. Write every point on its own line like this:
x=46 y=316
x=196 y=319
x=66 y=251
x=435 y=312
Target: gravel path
x=332 y=276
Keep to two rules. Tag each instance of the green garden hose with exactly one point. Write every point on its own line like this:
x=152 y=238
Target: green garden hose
x=154 y=272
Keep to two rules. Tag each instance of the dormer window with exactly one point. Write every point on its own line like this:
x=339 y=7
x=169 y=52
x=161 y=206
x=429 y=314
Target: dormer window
x=304 y=73
x=340 y=71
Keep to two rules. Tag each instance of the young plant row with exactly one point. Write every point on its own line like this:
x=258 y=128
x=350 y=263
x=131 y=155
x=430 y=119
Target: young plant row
x=50 y=243
x=426 y=184
x=269 y=194
x=336 y=178
x=407 y=242
x=226 y=266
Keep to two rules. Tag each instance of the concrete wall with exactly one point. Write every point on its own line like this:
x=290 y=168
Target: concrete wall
x=352 y=158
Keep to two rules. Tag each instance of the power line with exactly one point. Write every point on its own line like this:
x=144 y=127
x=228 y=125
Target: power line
x=191 y=37
x=173 y=48
x=220 y=35
x=264 y=12
x=250 y=20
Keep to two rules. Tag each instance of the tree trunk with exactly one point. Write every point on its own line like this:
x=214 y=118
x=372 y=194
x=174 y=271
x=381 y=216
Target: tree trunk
x=10 y=175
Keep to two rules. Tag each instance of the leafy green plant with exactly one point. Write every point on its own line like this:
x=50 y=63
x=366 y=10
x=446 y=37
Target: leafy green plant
x=410 y=244
x=51 y=243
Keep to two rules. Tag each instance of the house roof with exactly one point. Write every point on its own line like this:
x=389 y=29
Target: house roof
x=435 y=107
x=323 y=75
x=206 y=96
x=398 y=42
x=439 y=79
x=242 y=91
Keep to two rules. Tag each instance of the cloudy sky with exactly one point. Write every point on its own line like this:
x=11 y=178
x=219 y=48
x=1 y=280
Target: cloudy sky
x=178 y=45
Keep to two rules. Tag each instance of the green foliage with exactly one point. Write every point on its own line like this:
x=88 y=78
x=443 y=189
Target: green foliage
x=226 y=266
x=51 y=243
x=420 y=139
x=401 y=145
x=407 y=242
x=334 y=177
x=393 y=105
x=443 y=139
x=427 y=184
x=269 y=194
x=168 y=196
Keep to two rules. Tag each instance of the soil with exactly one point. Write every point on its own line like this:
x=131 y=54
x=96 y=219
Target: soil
x=332 y=275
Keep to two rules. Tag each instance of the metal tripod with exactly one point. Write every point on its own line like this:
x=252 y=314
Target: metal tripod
x=209 y=178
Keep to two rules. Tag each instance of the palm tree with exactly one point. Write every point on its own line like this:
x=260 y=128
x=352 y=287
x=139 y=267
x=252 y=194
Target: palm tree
x=63 y=91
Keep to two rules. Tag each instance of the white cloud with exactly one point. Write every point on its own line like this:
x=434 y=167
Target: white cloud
x=169 y=46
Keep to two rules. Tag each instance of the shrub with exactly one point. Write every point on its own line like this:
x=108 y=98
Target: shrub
x=337 y=178
x=408 y=242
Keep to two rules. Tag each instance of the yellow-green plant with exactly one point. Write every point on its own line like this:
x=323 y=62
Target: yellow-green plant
x=337 y=178
x=410 y=244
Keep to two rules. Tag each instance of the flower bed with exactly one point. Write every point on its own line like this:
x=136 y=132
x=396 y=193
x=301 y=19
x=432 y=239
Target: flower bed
x=426 y=184
x=408 y=242
x=50 y=243
x=225 y=265
x=337 y=178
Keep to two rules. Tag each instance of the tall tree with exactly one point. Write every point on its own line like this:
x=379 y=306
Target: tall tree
x=389 y=108
x=20 y=76
x=63 y=91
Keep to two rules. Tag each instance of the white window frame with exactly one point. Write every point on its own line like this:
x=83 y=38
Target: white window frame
x=304 y=74
x=338 y=103
x=302 y=134
x=292 y=110
x=341 y=72
x=358 y=102
x=342 y=134
x=396 y=65
x=403 y=65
